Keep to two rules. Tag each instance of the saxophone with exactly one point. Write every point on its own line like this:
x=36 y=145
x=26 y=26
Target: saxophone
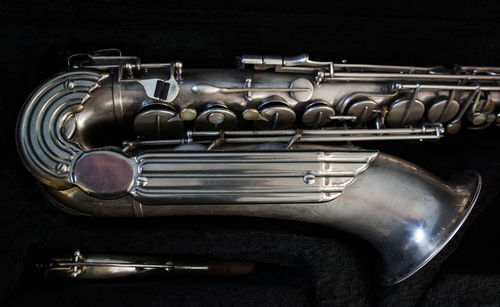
x=113 y=136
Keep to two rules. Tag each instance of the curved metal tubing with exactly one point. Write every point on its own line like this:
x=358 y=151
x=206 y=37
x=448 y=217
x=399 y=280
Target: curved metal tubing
x=407 y=214
x=408 y=228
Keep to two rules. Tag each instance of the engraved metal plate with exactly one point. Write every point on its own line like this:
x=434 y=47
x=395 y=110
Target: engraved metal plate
x=246 y=177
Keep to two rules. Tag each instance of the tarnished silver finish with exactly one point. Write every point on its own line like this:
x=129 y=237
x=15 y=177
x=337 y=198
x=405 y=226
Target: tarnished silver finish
x=443 y=110
x=275 y=113
x=405 y=112
x=302 y=96
x=117 y=137
x=216 y=117
x=156 y=121
x=407 y=214
x=318 y=113
x=364 y=110
x=246 y=178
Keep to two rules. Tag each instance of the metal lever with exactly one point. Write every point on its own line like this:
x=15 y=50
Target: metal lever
x=288 y=61
x=104 y=266
x=208 y=89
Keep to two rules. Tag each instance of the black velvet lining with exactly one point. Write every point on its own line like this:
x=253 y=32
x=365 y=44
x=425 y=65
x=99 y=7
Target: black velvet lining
x=298 y=264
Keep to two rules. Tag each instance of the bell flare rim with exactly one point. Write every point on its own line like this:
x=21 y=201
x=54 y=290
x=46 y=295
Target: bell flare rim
x=475 y=184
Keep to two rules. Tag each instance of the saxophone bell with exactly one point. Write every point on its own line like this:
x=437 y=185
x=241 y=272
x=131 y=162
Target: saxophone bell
x=117 y=137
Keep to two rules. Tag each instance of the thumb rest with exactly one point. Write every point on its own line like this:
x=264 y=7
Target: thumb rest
x=116 y=137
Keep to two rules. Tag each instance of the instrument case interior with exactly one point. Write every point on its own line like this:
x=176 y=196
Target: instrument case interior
x=298 y=264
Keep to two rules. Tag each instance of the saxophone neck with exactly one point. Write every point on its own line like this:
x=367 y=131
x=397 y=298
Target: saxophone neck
x=111 y=266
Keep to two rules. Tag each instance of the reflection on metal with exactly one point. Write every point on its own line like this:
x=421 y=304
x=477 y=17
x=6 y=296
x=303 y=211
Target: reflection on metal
x=117 y=137
x=306 y=136
x=317 y=114
x=275 y=113
x=208 y=89
x=384 y=204
x=249 y=178
x=111 y=266
x=216 y=117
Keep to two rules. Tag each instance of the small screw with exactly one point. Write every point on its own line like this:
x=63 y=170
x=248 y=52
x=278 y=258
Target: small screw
x=309 y=179
x=142 y=181
x=61 y=168
x=69 y=84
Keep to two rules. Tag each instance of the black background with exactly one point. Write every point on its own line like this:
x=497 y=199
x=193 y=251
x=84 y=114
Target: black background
x=301 y=264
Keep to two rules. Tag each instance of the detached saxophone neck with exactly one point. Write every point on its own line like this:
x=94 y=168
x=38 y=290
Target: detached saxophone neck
x=111 y=266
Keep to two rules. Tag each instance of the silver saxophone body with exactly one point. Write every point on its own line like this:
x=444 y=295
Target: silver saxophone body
x=115 y=137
